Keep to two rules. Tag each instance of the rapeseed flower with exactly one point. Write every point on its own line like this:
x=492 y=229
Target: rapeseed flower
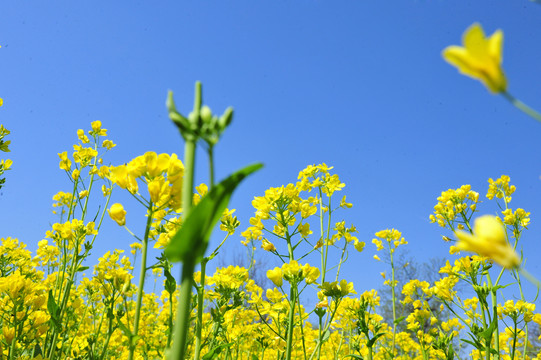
x=118 y=214
x=488 y=239
x=479 y=57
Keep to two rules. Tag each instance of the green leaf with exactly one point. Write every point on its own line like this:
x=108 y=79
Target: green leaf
x=170 y=282
x=487 y=334
x=125 y=329
x=82 y=268
x=54 y=311
x=354 y=356
x=212 y=354
x=374 y=339
x=191 y=240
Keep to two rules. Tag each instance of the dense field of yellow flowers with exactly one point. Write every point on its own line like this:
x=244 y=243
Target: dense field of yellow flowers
x=53 y=305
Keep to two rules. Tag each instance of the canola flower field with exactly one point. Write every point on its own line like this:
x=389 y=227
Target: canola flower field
x=56 y=306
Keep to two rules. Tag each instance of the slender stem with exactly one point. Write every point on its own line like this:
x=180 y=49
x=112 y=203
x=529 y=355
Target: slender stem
x=170 y=322
x=200 y=298
x=394 y=298
x=291 y=326
x=320 y=337
x=302 y=329
x=211 y=166
x=521 y=106
x=323 y=265
x=495 y=315
x=140 y=290
x=530 y=277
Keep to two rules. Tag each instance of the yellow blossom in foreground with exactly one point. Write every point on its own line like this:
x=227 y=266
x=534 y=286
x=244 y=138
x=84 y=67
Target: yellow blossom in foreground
x=480 y=57
x=118 y=214
x=489 y=240
x=275 y=276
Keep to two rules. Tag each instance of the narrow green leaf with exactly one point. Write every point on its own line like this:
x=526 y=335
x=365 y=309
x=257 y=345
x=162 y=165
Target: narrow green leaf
x=487 y=334
x=191 y=240
x=125 y=329
x=374 y=339
x=212 y=354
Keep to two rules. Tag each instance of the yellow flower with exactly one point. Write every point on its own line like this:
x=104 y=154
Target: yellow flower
x=1 y=102
x=267 y=245
x=275 y=276
x=480 y=58
x=489 y=240
x=118 y=214
x=65 y=163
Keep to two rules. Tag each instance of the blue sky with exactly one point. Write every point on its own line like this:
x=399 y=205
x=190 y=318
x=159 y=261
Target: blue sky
x=359 y=85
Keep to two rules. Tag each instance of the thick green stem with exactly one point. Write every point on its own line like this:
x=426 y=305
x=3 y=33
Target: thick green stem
x=182 y=322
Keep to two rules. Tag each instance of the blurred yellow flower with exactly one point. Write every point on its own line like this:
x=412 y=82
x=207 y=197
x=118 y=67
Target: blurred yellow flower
x=489 y=240
x=275 y=275
x=118 y=214
x=480 y=57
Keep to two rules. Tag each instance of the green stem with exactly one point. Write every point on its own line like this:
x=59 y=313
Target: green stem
x=530 y=277
x=170 y=322
x=521 y=106
x=321 y=214
x=301 y=320
x=182 y=322
x=211 y=166
x=320 y=337
x=291 y=326
x=394 y=298
x=495 y=315
x=200 y=298
x=140 y=290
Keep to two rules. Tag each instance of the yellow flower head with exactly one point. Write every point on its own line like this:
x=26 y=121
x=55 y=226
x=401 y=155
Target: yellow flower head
x=480 y=58
x=118 y=214
x=489 y=240
x=275 y=275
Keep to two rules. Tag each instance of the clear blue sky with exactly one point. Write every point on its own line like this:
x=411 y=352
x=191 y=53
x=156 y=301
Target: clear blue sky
x=359 y=85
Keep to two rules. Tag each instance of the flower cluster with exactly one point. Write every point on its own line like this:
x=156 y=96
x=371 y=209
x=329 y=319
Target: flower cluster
x=455 y=206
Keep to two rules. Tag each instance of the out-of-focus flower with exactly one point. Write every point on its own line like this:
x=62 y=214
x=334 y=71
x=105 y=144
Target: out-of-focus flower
x=489 y=240
x=480 y=57
x=118 y=214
